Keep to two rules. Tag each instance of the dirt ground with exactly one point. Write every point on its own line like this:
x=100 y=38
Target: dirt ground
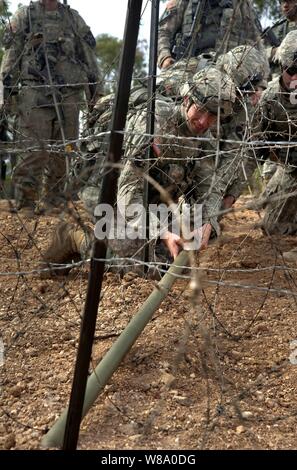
x=209 y=372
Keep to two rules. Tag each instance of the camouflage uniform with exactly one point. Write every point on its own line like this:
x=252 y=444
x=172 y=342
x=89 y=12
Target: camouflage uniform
x=225 y=24
x=244 y=64
x=249 y=70
x=180 y=165
x=276 y=121
x=50 y=57
x=280 y=32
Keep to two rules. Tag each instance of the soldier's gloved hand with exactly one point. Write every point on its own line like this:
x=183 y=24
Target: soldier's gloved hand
x=173 y=242
x=167 y=62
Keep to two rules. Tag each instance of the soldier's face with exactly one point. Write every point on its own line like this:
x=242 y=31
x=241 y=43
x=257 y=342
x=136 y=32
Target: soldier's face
x=255 y=97
x=289 y=81
x=289 y=9
x=199 y=120
x=50 y=5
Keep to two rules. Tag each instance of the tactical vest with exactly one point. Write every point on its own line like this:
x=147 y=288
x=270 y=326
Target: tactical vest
x=51 y=44
x=214 y=25
x=283 y=29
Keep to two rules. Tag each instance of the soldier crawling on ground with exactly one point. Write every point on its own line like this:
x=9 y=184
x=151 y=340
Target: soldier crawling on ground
x=249 y=70
x=179 y=166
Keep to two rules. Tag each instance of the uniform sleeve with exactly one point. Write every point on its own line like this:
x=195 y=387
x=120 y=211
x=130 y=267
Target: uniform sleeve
x=87 y=54
x=170 y=23
x=239 y=161
x=13 y=42
x=236 y=163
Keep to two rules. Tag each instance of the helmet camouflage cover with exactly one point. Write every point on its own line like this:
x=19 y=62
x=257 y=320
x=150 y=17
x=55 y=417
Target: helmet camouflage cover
x=212 y=90
x=287 y=52
x=171 y=79
x=246 y=66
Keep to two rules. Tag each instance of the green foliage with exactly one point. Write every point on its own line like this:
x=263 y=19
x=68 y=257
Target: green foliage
x=108 y=49
x=4 y=15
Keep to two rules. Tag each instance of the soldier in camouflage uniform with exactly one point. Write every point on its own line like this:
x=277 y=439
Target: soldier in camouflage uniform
x=276 y=123
x=221 y=26
x=249 y=69
x=180 y=165
x=50 y=58
x=244 y=64
x=281 y=29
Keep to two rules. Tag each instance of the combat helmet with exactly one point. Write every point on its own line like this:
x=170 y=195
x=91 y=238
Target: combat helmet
x=212 y=90
x=170 y=80
x=286 y=53
x=246 y=66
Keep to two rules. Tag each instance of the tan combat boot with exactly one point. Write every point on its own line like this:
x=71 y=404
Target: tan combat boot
x=291 y=255
x=69 y=243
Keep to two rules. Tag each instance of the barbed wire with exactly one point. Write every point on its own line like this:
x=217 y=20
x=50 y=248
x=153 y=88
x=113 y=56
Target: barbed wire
x=203 y=326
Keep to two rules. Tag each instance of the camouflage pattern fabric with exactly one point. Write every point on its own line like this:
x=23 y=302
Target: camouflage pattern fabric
x=212 y=90
x=245 y=64
x=181 y=165
x=275 y=121
x=51 y=54
x=225 y=25
x=169 y=80
x=281 y=215
x=249 y=70
x=280 y=31
x=286 y=53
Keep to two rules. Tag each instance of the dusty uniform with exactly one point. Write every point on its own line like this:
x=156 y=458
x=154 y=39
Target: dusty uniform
x=249 y=69
x=50 y=56
x=277 y=122
x=179 y=167
x=181 y=164
x=280 y=32
x=224 y=25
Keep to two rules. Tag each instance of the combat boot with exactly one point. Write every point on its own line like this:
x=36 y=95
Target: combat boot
x=69 y=243
x=24 y=199
x=291 y=255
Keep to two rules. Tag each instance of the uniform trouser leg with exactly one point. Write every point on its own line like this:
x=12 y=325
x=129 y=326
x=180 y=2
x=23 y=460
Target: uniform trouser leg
x=34 y=133
x=128 y=243
x=203 y=195
x=281 y=211
x=55 y=177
